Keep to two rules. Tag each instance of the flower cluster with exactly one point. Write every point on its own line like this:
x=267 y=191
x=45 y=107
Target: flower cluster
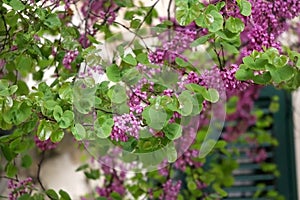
x=219 y=79
x=18 y=188
x=69 y=57
x=174 y=43
x=267 y=22
x=44 y=145
x=223 y=79
x=114 y=182
x=242 y=117
x=257 y=155
x=99 y=9
x=136 y=99
x=170 y=190
x=123 y=125
x=187 y=159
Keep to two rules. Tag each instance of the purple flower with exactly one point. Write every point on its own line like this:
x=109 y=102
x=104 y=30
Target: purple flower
x=125 y=125
x=170 y=190
x=69 y=57
x=18 y=188
x=44 y=145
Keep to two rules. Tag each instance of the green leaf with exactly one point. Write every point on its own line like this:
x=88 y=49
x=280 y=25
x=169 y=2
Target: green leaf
x=4 y=87
x=219 y=190
x=92 y=39
x=285 y=73
x=211 y=95
x=211 y=19
x=173 y=131
x=22 y=114
x=11 y=18
x=82 y=167
x=26 y=161
x=124 y=3
x=197 y=104
x=50 y=104
x=245 y=7
x=65 y=92
x=9 y=155
x=234 y=25
x=118 y=94
x=18 y=146
x=93 y=174
x=78 y=131
x=13 y=89
x=201 y=40
x=17 y=5
x=57 y=136
x=52 y=194
x=186 y=103
x=24 y=63
x=52 y=21
x=113 y=73
x=171 y=152
x=84 y=95
x=280 y=61
x=215 y=21
x=11 y=170
x=155 y=117
x=264 y=78
x=244 y=74
x=57 y=113
x=22 y=88
x=44 y=130
x=142 y=58
x=187 y=11
x=181 y=62
x=66 y=119
x=129 y=59
x=274 y=74
x=191 y=185
x=64 y=195
x=230 y=48
x=131 y=76
x=135 y=23
x=25 y=197
x=92 y=56
x=103 y=127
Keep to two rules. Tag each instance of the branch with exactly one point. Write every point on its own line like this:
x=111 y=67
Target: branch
x=135 y=33
x=169 y=10
x=218 y=55
x=140 y=25
x=7 y=33
x=38 y=175
x=39 y=171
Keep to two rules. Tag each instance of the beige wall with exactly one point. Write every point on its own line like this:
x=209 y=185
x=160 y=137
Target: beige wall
x=296 y=111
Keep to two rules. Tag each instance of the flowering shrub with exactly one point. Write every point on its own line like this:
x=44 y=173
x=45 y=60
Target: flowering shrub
x=142 y=90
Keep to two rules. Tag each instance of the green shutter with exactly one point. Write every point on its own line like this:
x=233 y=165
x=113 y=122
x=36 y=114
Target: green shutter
x=249 y=177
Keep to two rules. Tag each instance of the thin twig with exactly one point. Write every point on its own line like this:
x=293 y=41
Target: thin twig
x=135 y=33
x=223 y=56
x=218 y=55
x=38 y=175
x=145 y=18
x=169 y=10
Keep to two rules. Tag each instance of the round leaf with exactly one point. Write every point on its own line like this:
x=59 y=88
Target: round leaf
x=78 y=131
x=234 y=25
x=173 y=131
x=186 y=103
x=129 y=59
x=113 y=73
